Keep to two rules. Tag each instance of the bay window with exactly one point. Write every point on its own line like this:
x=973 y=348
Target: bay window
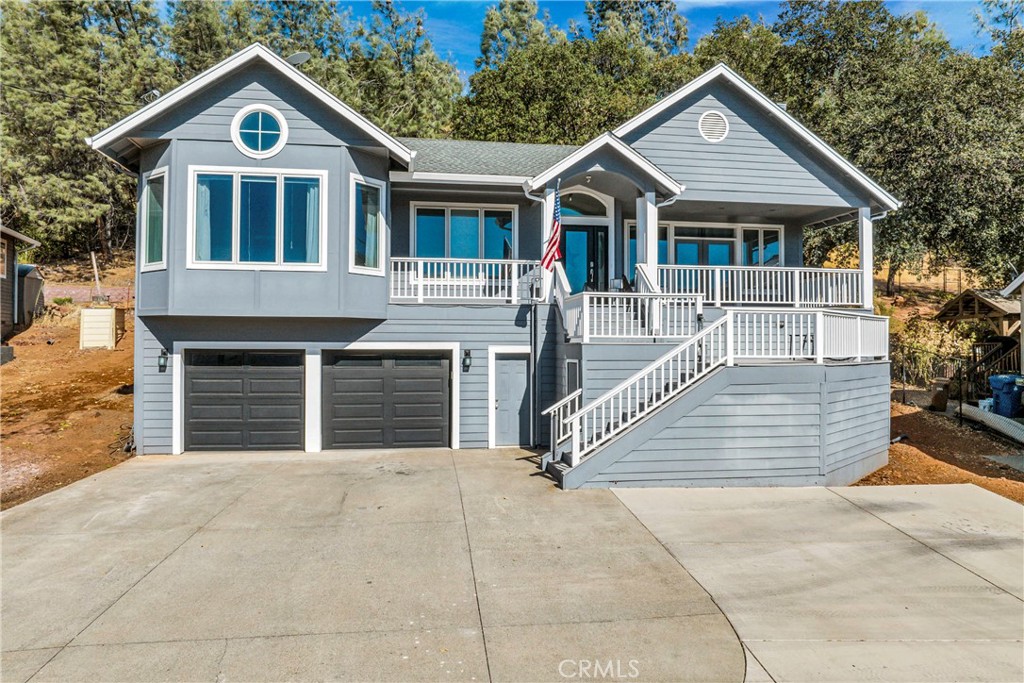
x=257 y=218
x=464 y=232
x=153 y=220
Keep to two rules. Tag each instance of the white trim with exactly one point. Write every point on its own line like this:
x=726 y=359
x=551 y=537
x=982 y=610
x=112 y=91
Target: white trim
x=492 y=416
x=17 y=235
x=313 y=394
x=382 y=226
x=144 y=220
x=700 y=123
x=577 y=376
x=457 y=178
x=314 y=348
x=607 y=140
x=448 y=206
x=232 y=63
x=774 y=110
x=236 y=172
x=454 y=348
x=1017 y=283
x=236 y=136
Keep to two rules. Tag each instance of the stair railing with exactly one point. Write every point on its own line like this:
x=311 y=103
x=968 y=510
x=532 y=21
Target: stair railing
x=557 y=414
x=622 y=406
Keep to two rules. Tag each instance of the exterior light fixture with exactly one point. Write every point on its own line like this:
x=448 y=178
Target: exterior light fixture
x=467 y=360
x=161 y=361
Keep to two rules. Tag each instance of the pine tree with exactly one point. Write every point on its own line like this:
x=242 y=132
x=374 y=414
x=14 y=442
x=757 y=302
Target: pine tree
x=654 y=23
x=198 y=36
x=513 y=25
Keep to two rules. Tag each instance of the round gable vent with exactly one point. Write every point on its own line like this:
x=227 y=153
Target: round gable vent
x=713 y=126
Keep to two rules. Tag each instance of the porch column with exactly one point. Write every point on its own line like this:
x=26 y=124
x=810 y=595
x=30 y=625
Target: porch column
x=647 y=235
x=547 y=216
x=866 y=244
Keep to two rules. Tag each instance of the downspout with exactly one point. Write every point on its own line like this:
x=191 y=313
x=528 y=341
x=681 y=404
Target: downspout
x=534 y=353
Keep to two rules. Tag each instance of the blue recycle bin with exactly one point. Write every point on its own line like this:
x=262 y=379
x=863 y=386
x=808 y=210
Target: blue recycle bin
x=1006 y=395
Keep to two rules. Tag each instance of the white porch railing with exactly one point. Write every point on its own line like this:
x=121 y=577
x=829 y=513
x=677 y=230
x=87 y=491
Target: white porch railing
x=732 y=285
x=558 y=413
x=594 y=315
x=494 y=280
x=758 y=335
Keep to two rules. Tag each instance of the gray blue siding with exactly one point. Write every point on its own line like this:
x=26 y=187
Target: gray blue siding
x=7 y=289
x=752 y=426
x=475 y=328
x=757 y=162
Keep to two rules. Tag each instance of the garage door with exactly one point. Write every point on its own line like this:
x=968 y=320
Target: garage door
x=386 y=401
x=244 y=400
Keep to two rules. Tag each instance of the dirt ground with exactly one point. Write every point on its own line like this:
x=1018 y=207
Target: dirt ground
x=939 y=451
x=61 y=414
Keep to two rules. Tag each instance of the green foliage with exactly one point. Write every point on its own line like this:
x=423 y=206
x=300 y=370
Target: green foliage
x=513 y=25
x=655 y=24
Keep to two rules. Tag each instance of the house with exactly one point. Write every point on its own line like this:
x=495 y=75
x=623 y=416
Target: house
x=9 y=311
x=1016 y=287
x=309 y=282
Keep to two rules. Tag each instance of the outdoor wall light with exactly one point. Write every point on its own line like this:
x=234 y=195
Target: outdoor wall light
x=161 y=361
x=467 y=360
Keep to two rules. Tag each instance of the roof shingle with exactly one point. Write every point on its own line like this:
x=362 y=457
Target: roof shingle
x=484 y=158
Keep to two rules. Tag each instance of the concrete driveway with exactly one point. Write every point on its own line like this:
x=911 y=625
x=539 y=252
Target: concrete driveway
x=427 y=565
x=908 y=583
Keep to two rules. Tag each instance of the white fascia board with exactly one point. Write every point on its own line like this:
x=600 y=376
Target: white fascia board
x=607 y=140
x=885 y=199
x=21 y=236
x=1017 y=283
x=236 y=61
x=456 y=178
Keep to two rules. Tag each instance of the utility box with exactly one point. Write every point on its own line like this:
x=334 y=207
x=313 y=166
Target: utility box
x=100 y=327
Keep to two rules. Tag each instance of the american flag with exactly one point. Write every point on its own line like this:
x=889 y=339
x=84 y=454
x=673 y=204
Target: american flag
x=553 y=251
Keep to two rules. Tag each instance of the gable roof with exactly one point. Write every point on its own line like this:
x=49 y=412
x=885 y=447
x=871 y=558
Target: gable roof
x=979 y=303
x=1017 y=283
x=253 y=53
x=509 y=159
x=607 y=140
x=723 y=72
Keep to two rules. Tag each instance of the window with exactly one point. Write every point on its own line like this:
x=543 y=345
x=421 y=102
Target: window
x=154 y=220
x=367 y=226
x=3 y=258
x=572 y=376
x=259 y=131
x=256 y=218
x=690 y=244
x=761 y=247
x=464 y=232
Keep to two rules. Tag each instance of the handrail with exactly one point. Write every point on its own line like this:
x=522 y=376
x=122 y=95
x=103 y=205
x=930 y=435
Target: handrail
x=631 y=315
x=498 y=280
x=772 y=334
x=643 y=281
x=559 y=404
x=771 y=285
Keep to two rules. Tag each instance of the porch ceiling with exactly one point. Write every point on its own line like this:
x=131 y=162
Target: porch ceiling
x=739 y=212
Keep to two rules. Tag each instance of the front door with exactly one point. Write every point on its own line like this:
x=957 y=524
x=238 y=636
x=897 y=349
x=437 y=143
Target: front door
x=512 y=400
x=585 y=257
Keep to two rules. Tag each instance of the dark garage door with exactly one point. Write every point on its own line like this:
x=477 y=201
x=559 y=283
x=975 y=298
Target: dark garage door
x=244 y=400
x=386 y=401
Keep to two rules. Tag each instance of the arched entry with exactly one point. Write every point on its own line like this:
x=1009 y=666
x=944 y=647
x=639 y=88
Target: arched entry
x=586 y=238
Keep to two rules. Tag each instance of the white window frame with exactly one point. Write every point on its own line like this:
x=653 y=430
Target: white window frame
x=736 y=239
x=572 y=366
x=144 y=221
x=760 y=244
x=382 y=239
x=448 y=206
x=236 y=137
x=3 y=258
x=234 y=264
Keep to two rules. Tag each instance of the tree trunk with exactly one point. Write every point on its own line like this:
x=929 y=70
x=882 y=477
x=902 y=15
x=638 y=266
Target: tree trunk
x=890 y=280
x=103 y=235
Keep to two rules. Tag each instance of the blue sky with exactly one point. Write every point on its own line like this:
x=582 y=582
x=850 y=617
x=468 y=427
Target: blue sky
x=454 y=25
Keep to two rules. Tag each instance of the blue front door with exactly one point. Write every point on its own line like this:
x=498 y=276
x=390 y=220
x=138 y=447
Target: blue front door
x=585 y=257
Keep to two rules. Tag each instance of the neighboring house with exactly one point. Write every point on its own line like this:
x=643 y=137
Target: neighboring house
x=10 y=316
x=309 y=282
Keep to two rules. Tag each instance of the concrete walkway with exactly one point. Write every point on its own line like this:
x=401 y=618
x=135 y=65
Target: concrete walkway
x=911 y=583
x=427 y=565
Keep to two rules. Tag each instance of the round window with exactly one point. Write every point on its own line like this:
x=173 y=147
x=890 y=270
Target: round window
x=259 y=131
